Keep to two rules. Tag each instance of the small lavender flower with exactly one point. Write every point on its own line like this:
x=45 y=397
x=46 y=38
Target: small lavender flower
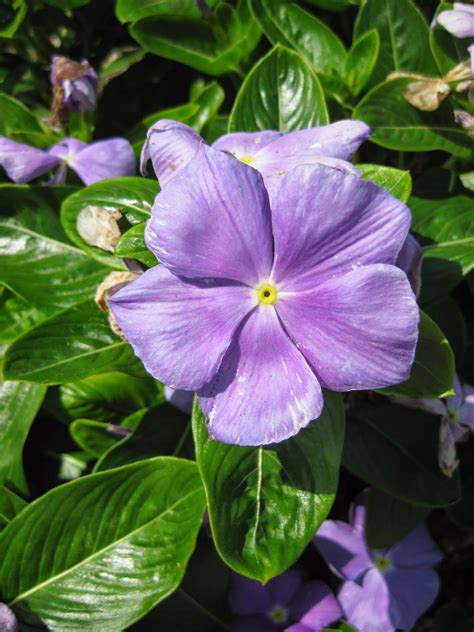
x=256 y=306
x=284 y=603
x=457 y=421
x=183 y=400
x=103 y=159
x=459 y=20
x=171 y=145
x=8 y=622
x=385 y=589
x=75 y=85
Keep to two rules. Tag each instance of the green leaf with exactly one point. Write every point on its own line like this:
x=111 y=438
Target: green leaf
x=37 y=262
x=16 y=316
x=395 y=181
x=432 y=374
x=163 y=430
x=361 y=60
x=214 y=46
x=69 y=346
x=119 y=61
x=266 y=503
x=103 y=550
x=132 y=245
x=281 y=92
x=286 y=23
x=133 y=197
x=395 y=449
x=404 y=37
x=398 y=125
x=16 y=117
x=12 y=17
x=447 y=229
x=462 y=513
x=448 y=51
x=94 y=437
x=66 y=4
x=389 y=519
x=10 y=504
x=132 y=10
x=19 y=404
x=449 y=317
x=109 y=397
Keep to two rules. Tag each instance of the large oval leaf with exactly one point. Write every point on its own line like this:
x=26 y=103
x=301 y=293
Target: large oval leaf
x=396 y=181
x=398 y=125
x=133 y=197
x=282 y=93
x=266 y=503
x=404 y=37
x=395 y=449
x=16 y=117
x=132 y=10
x=37 y=261
x=99 y=552
x=72 y=345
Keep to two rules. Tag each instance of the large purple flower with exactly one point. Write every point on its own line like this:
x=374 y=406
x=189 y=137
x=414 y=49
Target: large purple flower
x=112 y=158
x=284 y=603
x=171 y=145
x=385 y=589
x=256 y=308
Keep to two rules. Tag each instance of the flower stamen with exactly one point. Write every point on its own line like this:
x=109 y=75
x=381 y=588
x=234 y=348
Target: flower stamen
x=267 y=294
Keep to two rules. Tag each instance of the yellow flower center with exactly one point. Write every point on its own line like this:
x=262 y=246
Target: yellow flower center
x=248 y=160
x=278 y=614
x=382 y=563
x=267 y=294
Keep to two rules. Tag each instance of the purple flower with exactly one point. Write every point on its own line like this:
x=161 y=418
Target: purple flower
x=77 y=83
x=171 y=145
x=457 y=421
x=103 y=159
x=409 y=260
x=284 y=603
x=183 y=400
x=257 y=307
x=385 y=589
x=8 y=622
x=459 y=21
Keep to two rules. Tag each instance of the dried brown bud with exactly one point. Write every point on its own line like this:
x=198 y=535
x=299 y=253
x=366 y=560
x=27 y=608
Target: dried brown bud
x=97 y=225
x=427 y=94
x=112 y=283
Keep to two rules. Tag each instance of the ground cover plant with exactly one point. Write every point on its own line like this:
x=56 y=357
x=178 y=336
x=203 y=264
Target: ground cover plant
x=236 y=315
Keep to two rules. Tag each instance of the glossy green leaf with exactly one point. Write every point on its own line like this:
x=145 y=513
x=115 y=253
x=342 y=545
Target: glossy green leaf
x=395 y=449
x=447 y=229
x=333 y=5
x=37 y=261
x=432 y=374
x=132 y=10
x=395 y=181
x=132 y=245
x=404 y=37
x=266 y=503
x=94 y=437
x=448 y=51
x=11 y=17
x=133 y=197
x=19 y=404
x=281 y=92
x=398 y=125
x=118 y=62
x=163 y=430
x=16 y=316
x=103 y=550
x=287 y=23
x=361 y=60
x=448 y=316
x=69 y=346
x=16 y=117
x=389 y=519
x=109 y=397
x=212 y=46
x=10 y=503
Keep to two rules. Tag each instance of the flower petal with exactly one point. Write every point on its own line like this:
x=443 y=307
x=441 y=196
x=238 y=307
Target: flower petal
x=213 y=220
x=283 y=588
x=326 y=221
x=245 y=144
x=343 y=548
x=183 y=400
x=67 y=148
x=416 y=549
x=247 y=596
x=23 y=163
x=264 y=391
x=409 y=260
x=180 y=329
x=412 y=592
x=358 y=331
x=112 y=158
x=368 y=607
x=171 y=146
x=315 y=606
x=459 y=22
x=454 y=402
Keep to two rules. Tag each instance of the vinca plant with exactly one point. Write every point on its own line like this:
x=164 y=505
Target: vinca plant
x=236 y=315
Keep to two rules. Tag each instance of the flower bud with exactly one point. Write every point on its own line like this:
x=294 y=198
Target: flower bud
x=75 y=87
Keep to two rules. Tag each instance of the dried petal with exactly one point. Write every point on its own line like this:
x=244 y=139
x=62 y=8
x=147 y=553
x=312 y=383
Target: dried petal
x=97 y=225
